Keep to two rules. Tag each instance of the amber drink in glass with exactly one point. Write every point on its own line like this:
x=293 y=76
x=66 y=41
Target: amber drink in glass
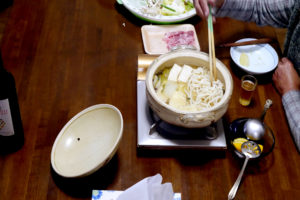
x=248 y=85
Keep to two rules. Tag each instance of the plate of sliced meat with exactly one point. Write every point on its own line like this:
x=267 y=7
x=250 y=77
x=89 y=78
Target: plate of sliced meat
x=160 y=39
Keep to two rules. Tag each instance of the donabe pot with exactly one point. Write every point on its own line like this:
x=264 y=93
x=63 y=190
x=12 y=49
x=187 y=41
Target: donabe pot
x=181 y=118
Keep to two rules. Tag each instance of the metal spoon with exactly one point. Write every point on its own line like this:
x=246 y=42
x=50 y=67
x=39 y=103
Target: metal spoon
x=251 y=150
x=254 y=129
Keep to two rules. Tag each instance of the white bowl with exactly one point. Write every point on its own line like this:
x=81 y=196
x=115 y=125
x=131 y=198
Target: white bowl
x=88 y=141
x=135 y=6
x=197 y=119
x=262 y=57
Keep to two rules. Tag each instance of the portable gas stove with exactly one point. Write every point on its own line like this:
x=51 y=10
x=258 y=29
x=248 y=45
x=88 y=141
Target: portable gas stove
x=154 y=133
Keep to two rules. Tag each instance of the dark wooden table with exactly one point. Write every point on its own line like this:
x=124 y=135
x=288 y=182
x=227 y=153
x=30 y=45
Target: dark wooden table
x=69 y=55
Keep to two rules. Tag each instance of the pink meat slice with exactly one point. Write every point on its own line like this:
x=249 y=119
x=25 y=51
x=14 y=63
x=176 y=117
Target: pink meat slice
x=177 y=38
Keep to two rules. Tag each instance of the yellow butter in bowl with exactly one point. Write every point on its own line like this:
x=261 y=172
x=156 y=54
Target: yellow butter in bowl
x=244 y=59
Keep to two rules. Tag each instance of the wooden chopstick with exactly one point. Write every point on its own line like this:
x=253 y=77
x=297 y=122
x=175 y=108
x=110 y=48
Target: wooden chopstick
x=257 y=41
x=209 y=54
x=211 y=42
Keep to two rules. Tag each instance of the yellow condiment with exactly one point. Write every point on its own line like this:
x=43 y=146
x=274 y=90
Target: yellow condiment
x=244 y=60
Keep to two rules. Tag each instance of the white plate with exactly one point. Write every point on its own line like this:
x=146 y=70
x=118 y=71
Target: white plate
x=153 y=36
x=134 y=6
x=88 y=141
x=262 y=57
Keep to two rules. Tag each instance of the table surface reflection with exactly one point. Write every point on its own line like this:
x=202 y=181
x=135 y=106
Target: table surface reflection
x=69 y=55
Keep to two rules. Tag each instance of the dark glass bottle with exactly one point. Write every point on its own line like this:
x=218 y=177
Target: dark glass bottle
x=11 y=129
x=5 y=4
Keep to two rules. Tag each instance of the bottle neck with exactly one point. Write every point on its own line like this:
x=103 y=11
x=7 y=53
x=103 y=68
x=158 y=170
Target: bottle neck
x=2 y=69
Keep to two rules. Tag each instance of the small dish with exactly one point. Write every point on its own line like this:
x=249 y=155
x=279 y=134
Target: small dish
x=154 y=37
x=135 y=6
x=236 y=131
x=254 y=59
x=88 y=141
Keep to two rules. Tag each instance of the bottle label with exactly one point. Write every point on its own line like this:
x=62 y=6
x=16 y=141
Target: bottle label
x=6 y=124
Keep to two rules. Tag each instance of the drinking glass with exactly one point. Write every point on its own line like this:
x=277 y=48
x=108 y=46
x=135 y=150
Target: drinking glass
x=248 y=85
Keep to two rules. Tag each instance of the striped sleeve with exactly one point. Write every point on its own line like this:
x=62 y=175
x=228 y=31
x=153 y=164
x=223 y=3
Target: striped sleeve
x=291 y=104
x=275 y=13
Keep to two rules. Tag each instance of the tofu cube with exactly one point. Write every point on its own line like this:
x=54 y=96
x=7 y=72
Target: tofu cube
x=174 y=72
x=185 y=73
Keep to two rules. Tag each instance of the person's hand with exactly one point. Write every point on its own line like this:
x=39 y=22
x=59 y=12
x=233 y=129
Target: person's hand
x=202 y=9
x=285 y=77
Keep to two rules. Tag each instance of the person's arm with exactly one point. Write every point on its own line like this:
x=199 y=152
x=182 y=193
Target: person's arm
x=291 y=104
x=287 y=83
x=263 y=12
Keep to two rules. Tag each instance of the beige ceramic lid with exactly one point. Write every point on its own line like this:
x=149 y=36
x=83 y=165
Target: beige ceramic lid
x=88 y=141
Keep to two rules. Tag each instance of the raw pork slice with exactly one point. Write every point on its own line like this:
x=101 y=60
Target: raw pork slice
x=178 y=38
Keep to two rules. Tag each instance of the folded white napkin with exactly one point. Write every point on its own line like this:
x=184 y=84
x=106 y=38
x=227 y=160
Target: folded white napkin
x=149 y=188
